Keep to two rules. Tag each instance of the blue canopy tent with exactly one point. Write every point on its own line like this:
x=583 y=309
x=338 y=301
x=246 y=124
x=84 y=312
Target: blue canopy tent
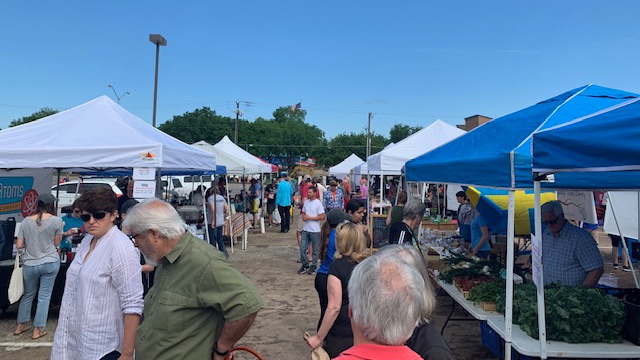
x=601 y=148
x=498 y=155
x=606 y=141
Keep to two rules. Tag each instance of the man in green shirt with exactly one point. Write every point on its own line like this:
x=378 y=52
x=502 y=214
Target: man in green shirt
x=199 y=306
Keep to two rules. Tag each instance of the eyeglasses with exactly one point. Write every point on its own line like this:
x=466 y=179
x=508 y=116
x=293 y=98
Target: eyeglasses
x=133 y=237
x=551 y=222
x=96 y=215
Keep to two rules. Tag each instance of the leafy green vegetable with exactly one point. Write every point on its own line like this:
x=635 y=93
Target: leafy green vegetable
x=458 y=265
x=487 y=291
x=573 y=314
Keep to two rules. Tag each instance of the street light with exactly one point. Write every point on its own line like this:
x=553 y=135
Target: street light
x=159 y=41
x=118 y=97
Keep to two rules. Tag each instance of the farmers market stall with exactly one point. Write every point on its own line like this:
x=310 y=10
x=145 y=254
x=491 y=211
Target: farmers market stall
x=505 y=161
x=526 y=345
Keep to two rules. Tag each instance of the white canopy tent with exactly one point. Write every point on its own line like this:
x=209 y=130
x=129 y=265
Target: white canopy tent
x=343 y=169
x=252 y=164
x=391 y=160
x=99 y=135
x=235 y=166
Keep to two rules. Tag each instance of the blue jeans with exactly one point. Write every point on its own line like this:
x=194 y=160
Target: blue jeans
x=314 y=238
x=215 y=237
x=39 y=278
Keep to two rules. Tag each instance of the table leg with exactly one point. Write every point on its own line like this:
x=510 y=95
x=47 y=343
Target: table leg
x=453 y=307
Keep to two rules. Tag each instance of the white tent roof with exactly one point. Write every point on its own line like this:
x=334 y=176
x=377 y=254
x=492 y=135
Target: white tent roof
x=95 y=136
x=344 y=167
x=234 y=165
x=227 y=146
x=391 y=160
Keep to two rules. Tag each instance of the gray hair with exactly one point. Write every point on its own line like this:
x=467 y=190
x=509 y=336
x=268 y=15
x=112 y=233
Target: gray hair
x=154 y=214
x=553 y=206
x=413 y=208
x=386 y=296
x=412 y=257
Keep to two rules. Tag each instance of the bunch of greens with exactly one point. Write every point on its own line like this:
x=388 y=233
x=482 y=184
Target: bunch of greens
x=573 y=314
x=487 y=291
x=460 y=266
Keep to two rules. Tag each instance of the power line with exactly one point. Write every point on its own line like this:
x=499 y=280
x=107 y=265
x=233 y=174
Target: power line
x=312 y=146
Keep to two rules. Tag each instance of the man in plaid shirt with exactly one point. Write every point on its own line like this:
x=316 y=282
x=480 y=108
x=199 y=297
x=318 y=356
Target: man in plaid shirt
x=570 y=255
x=333 y=198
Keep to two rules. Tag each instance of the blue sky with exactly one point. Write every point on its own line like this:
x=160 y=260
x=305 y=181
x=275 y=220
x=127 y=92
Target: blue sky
x=408 y=62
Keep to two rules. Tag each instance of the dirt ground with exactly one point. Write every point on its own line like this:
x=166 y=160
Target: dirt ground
x=291 y=307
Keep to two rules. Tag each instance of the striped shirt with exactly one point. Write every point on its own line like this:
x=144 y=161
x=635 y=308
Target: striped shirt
x=97 y=294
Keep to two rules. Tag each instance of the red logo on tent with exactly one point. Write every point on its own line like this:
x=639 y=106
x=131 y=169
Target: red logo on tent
x=148 y=156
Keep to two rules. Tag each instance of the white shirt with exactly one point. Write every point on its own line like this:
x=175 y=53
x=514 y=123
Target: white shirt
x=312 y=208
x=97 y=295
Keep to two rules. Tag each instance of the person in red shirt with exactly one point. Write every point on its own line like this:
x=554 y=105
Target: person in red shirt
x=386 y=301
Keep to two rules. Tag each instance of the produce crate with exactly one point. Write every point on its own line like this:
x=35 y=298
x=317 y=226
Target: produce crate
x=488 y=305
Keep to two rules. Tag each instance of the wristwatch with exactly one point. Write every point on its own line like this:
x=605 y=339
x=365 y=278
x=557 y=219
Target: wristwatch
x=215 y=350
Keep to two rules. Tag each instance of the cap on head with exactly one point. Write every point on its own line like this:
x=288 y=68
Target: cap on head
x=47 y=198
x=128 y=205
x=336 y=216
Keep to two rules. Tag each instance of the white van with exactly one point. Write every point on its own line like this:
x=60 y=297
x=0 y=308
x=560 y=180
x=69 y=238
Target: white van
x=69 y=191
x=184 y=184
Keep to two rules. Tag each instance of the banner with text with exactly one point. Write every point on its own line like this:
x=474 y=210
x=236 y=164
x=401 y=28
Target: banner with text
x=19 y=190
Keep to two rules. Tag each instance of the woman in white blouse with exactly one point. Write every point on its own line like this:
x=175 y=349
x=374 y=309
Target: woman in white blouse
x=102 y=300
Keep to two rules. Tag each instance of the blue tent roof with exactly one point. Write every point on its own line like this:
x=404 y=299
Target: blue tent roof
x=601 y=148
x=498 y=153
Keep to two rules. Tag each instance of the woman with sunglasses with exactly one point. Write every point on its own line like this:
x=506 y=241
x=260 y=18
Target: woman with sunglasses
x=102 y=300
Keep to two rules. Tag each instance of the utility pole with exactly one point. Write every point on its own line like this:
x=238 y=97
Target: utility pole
x=368 y=154
x=369 y=136
x=235 y=137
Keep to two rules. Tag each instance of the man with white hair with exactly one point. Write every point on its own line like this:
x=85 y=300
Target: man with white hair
x=199 y=306
x=386 y=301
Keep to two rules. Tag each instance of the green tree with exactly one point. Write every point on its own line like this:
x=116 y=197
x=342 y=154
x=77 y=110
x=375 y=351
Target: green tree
x=286 y=136
x=44 y=112
x=284 y=113
x=400 y=131
x=201 y=124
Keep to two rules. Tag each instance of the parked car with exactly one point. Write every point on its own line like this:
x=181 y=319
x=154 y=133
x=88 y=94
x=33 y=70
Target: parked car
x=184 y=185
x=69 y=191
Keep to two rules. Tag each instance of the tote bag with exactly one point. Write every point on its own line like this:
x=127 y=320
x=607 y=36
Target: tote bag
x=16 y=284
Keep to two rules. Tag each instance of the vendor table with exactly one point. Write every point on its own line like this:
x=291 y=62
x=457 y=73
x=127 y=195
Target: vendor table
x=449 y=226
x=475 y=311
x=526 y=345
x=6 y=268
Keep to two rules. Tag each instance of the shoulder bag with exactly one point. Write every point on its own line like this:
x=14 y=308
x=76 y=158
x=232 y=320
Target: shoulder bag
x=16 y=285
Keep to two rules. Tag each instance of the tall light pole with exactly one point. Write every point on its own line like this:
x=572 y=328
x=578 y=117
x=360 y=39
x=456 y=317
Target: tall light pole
x=118 y=97
x=159 y=41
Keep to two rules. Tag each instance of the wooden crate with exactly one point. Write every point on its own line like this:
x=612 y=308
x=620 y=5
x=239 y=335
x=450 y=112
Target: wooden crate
x=488 y=306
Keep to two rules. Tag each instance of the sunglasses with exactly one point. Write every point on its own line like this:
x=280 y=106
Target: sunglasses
x=96 y=215
x=76 y=211
x=551 y=222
